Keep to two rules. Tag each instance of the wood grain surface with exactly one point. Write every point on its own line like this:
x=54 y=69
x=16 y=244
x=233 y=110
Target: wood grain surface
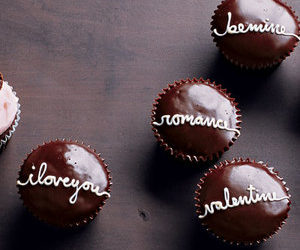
x=89 y=70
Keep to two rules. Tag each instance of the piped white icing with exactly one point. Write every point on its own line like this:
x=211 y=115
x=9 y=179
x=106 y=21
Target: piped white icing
x=8 y=107
x=65 y=181
x=240 y=201
x=179 y=119
x=262 y=28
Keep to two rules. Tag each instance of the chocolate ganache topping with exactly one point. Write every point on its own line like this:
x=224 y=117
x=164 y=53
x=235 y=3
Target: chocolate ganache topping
x=1 y=80
x=64 y=183
x=195 y=119
x=255 y=33
x=242 y=201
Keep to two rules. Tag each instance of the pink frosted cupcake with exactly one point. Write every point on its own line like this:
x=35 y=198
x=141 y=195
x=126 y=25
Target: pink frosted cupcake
x=9 y=112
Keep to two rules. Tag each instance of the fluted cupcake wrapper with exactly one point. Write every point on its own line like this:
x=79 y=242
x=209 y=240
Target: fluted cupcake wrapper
x=10 y=131
x=221 y=166
x=88 y=218
x=175 y=152
x=273 y=64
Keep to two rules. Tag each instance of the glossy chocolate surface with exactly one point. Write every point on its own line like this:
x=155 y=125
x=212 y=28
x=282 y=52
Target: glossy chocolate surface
x=247 y=223
x=64 y=159
x=196 y=98
x=253 y=48
x=1 y=80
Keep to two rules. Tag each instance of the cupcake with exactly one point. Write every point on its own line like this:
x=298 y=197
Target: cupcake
x=242 y=201
x=9 y=112
x=64 y=183
x=195 y=120
x=255 y=34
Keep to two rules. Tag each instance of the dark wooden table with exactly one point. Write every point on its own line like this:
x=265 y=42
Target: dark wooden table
x=89 y=70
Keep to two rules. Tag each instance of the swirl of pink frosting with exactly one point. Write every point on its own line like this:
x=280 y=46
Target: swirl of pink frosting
x=8 y=107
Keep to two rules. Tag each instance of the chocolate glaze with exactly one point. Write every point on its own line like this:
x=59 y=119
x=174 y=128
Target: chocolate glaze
x=255 y=49
x=197 y=97
x=248 y=223
x=1 y=80
x=64 y=159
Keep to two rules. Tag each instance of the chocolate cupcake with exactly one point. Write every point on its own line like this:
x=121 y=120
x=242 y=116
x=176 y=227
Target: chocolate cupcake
x=255 y=34
x=242 y=201
x=195 y=120
x=64 y=183
x=9 y=112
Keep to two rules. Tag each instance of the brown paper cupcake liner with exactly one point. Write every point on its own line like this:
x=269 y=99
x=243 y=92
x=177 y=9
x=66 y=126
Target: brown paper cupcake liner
x=87 y=219
x=175 y=152
x=276 y=62
x=5 y=137
x=222 y=165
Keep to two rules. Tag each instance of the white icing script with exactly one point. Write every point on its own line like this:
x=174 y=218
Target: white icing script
x=266 y=27
x=240 y=201
x=178 y=119
x=51 y=180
